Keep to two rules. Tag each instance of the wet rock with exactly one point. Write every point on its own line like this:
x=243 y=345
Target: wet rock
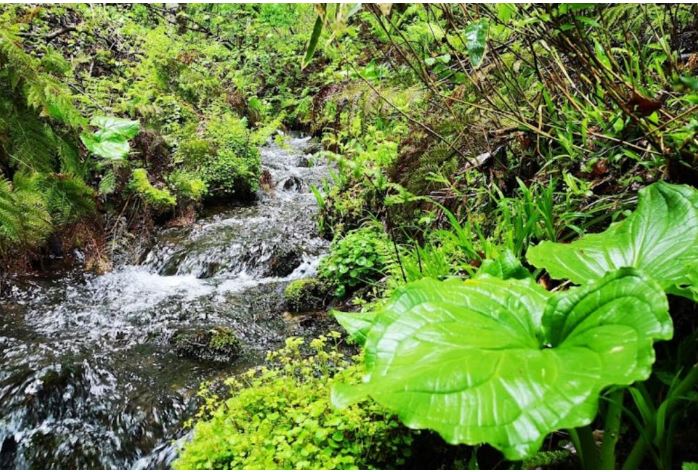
x=293 y=183
x=304 y=161
x=209 y=270
x=311 y=147
x=284 y=262
x=219 y=344
x=266 y=181
x=306 y=295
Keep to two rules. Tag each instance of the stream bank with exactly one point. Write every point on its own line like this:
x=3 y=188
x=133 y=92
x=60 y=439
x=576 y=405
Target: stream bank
x=90 y=374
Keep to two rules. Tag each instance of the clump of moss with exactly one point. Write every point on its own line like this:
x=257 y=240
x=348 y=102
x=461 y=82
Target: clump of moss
x=158 y=198
x=219 y=344
x=305 y=294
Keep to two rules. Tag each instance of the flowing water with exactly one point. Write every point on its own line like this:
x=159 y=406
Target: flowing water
x=88 y=374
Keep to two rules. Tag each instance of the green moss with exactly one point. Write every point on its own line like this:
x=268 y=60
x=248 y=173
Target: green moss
x=280 y=417
x=218 y=344
x=188 y=185
x=547 y=459
x=305 y=294
x=224 y=338
x=158 y=198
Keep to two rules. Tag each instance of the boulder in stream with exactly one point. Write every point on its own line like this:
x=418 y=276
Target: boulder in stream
x=218 y=344
x=283 y=262
x=304 y=295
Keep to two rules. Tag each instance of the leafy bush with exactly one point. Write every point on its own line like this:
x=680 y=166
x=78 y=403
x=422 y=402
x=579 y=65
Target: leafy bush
x=224 y=156
x=357 y=259
x=187 y=184
x=160 y=199
x=280 y=417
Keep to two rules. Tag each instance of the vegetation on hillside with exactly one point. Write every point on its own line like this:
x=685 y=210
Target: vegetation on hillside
x=513 y=212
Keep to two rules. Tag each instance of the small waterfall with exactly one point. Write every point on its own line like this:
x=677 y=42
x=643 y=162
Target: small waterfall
x=88 y=376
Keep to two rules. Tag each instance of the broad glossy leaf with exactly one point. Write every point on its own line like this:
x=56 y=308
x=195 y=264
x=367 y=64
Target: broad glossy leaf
x=660 y=237
x=476 y=41
x=504 y=266
x=110 y=141
x=503 y=361
x=356 y=324
x=111 y=126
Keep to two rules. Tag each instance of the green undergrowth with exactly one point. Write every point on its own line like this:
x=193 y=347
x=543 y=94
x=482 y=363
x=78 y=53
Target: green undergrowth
x=165 y=115
x=279 y=416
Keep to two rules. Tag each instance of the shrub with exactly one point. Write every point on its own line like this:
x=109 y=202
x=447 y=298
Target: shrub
x=187 y=184
x=224 y=156
x=280 y=417
x=357 y=259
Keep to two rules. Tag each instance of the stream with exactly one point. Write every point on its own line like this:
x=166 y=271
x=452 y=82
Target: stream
x=88 y=374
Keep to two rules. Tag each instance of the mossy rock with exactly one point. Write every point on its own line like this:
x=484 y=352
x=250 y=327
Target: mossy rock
x=304 y=295
x=218 y=344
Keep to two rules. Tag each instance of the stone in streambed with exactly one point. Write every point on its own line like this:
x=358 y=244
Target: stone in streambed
x=306 y=295
x=218 y=344
x=283 y=262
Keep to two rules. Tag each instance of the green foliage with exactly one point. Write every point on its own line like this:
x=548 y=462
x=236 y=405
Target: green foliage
x=67 y=198
x=505 y=362
x=476 y=41
x=160 y=199
x=187 y=185
x=312 y=44
x=505 y=266
x=660 y=237
x=356 y=260
x=37 y=150
x=24 y=218
x=110 y=140
x=279 y=417
x=223 y=156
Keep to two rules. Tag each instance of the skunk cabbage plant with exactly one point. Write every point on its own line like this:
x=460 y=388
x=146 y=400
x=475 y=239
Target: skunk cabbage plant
x=110 y=141
x=506 y=362
x=660 y=237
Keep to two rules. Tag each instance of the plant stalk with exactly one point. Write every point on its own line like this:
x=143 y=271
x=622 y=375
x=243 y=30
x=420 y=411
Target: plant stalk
x=612 y=430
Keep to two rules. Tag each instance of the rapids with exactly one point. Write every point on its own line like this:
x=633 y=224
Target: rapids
x=88 y=375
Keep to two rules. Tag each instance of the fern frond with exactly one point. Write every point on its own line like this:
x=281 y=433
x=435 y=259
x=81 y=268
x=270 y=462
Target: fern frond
x=24 y=217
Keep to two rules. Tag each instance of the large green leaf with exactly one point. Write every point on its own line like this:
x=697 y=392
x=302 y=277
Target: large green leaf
x=110 y=141
x=503 y=361
x=660 y=237
x=505 y=266
x=111 y=126
x=476 y=41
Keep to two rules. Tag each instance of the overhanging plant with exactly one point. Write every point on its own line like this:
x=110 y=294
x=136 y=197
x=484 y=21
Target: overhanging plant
x=660 y=237
x=505 y=362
